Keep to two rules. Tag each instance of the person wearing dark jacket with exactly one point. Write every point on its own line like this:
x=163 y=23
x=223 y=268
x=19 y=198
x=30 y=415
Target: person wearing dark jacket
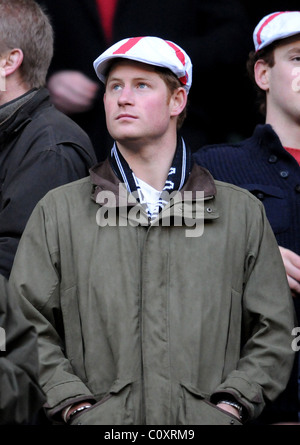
x=267 y=163
x=198 y=26
x=40 y=147
x=20 y=394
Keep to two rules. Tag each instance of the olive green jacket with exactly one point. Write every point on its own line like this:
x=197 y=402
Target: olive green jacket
x=151 y=321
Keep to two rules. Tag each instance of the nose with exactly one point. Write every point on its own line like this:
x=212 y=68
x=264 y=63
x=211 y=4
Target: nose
x=125 y=96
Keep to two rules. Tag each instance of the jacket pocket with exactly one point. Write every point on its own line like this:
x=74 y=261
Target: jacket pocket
x=117 y=407
x=275 y=202
x=195 y=409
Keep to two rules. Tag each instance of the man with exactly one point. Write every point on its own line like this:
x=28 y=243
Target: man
x=143 y=317
x=40 y=148
x=267 y=164
x=20 y=394
x=198 y=26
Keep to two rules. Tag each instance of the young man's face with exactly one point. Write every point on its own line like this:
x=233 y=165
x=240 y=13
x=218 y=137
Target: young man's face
x=137 y=103
x=283 y=94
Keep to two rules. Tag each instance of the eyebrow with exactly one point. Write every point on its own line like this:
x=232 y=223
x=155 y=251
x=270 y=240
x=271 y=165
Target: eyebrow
x=294 y=50
x=136 y=79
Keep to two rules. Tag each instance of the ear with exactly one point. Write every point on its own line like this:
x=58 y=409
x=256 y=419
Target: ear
x=178 y=101
x=11 y=61
x=261 y=74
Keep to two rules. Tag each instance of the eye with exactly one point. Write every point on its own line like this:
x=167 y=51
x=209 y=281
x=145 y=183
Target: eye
x=113 y=86
x=116 y=87
x=142 y=85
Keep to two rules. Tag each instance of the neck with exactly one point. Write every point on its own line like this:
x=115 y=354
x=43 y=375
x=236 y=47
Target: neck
x=150 y=163
x=287 y=130
x=13 y=90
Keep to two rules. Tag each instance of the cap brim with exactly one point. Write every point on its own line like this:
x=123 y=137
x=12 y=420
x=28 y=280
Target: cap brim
x=276 y=38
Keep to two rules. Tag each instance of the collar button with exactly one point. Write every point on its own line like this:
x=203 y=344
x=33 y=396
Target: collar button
x=273 y=159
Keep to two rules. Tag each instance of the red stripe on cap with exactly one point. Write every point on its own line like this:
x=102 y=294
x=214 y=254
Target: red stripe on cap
x=266 y=22
x=181 y=57
x=184 y=79
x=178 y=52
x=128 y=45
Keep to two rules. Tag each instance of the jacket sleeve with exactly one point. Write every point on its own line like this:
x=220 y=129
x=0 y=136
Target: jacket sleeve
x=40 y=303
x=25 y=184
x=20 y=394
x=267 y=356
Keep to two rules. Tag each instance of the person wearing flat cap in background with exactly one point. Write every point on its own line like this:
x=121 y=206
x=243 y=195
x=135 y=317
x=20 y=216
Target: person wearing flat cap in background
x=267 y=164
x=159 y=295
x=40 y=147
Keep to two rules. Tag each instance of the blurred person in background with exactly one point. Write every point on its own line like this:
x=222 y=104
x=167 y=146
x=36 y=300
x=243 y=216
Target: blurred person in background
x=20 y=394
x=40 y=147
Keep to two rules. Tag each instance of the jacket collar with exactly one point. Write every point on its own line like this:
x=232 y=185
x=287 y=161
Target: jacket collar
x=104 y=179
x=19 y=112
x=191 y=211
x=268 y=138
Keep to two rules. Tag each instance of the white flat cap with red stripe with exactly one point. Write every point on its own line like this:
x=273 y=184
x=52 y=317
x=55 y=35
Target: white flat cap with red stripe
x=276 y=26
x=151 y=50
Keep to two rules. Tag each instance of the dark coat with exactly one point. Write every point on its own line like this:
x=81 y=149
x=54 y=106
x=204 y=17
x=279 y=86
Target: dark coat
x=261 y=165
x=40 y=149
x=20 y=394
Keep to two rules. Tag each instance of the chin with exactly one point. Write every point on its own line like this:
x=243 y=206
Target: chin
x=123 y=138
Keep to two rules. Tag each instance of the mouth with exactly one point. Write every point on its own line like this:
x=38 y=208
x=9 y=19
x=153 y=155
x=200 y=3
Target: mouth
x=125 y=116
